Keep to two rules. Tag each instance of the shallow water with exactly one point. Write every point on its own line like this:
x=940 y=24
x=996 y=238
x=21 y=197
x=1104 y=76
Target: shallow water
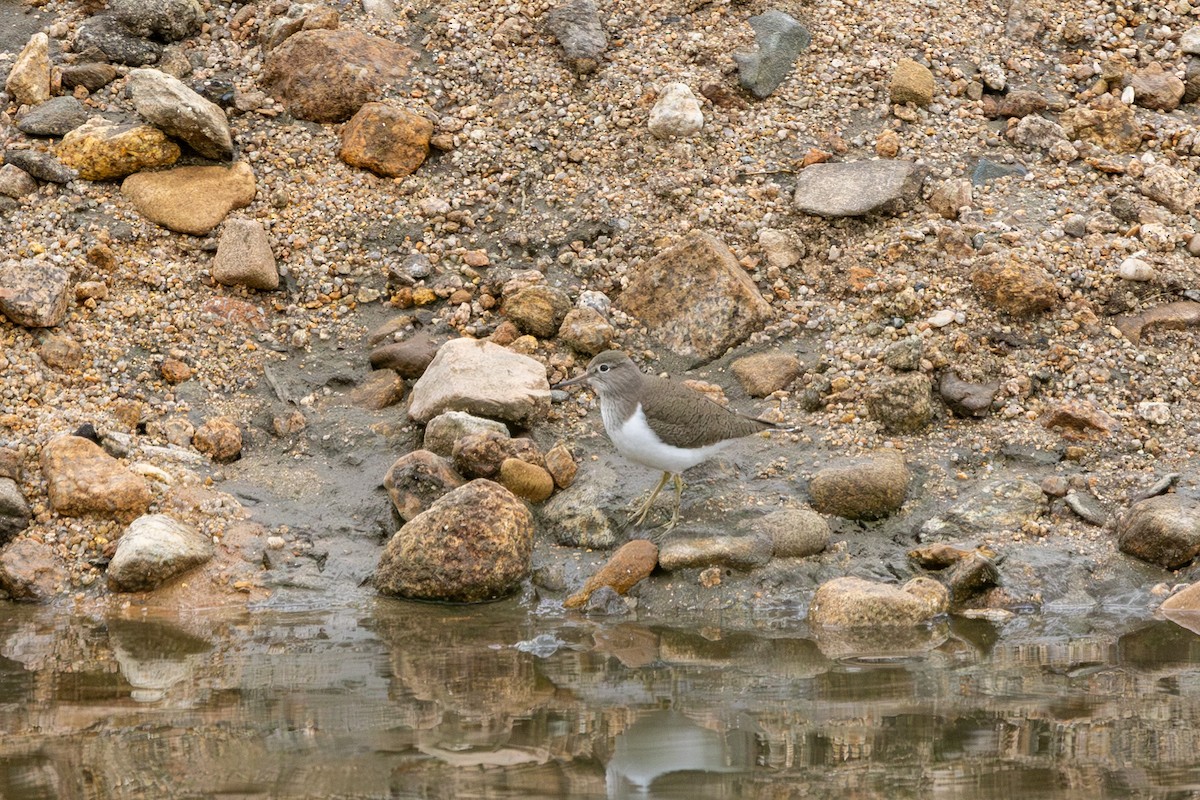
x=398 y=700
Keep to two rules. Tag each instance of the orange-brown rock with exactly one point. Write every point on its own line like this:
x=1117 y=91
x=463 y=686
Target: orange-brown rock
x=1016 y=288
x=632 y=562
x=82 y=479
x=388 y=140
x=220 y=438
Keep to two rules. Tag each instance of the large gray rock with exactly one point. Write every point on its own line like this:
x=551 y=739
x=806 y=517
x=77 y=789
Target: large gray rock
x=780 y=39
x=106 y=34
x=472 y=545
x=578 y=28
x=867 y=488
x=481 y=378
x=165 y=102
x=858 y=188
x=55 y=117
x=1001 y=505
x=855 y=602
x=34 y=293
x=696 y=299
x=1162 y=530
x=153 y=549
x=164 y=20
x=14 y=510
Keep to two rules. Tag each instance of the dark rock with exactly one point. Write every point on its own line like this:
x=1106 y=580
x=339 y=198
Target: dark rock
x=417 y=479
x=605 y=602
x=106 y=34
x=1087 y=508
x=987 y=171
x=578 y=28
x=42 y=166
x=780 y=39
x=410 y=357
x=1162 y=530
x=14 y=510
x=163 y=20
x=472 y=545
x=858 y=188
x=967 y=399
x=91 y=75
x=55 y=117
x=969 y=578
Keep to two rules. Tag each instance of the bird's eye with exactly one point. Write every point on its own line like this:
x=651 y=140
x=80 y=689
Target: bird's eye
x=602 y=368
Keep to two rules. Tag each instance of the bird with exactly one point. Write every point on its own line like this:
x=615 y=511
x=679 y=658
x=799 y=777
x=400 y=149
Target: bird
x=659 y=423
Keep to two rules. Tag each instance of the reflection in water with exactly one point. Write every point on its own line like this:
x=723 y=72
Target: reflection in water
x=397 y=700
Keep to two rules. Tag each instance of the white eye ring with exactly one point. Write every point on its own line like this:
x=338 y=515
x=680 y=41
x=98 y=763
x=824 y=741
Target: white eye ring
x=602 y=368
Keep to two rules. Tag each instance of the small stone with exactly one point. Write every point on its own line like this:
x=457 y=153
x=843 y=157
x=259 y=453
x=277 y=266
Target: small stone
x=1154 y=412
x=380 y=389
x=942 y=318
x=410 y=358
x=561 y=465
x=386 y=139
x=951 y=197
x=580 y=32
x=527 y=481
x=911 y=82
x=34 y=293
x=783 y=249
x=999 y=505
x=795 y=532
x=154 y=549
x=1081 y=419
x=175 y=371
x=1156 y=88
x=56 y=117
x=445 y=429
x=472 y=545
x=1135 y=269
x=14 y=509
x=697 y=549
x=1075 y=225
x=220 y=438
x=1170 y=316
x=676 y=113
x=286 y=424
x=82 y=479
x=631 y=563
x=417 y=479
x=866 y=489
x=538 y=310
x=765 y=373
x=91 y=75
x=1021 y=103
x=1169 y=187
x=905 y=354
x=1055 y=486
x=1106 y=122
x=965 y=398
x=1017 y=288
x=191 y=200
x=901 y=404
x=164 y=20
x=1037 y=133
x=993 y=77
x=16 y=182
x=105 y=34
x=61 y=352
x=585 y=330
x=28 y=79
x=481 y=455
x=855 y=603
x=244 y=256
x=101 y=150
x=1189 y=42
x=779 y=40
x=970 y=577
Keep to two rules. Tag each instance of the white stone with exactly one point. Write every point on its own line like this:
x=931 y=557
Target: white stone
x=783 y=249
x=484 y=379
x=1134 y=269
x=1156 y=413
x=993 y=76
x=677 y=113
x=1189 y=42
x=942 y=318
x=1157 y=237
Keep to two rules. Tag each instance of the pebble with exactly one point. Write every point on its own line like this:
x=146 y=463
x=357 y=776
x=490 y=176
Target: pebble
x=1135 y=269
x=676 y=114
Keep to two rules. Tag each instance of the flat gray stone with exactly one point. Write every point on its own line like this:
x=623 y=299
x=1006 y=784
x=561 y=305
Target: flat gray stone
x=55 y=117
x=857 y=188
x=780 y=39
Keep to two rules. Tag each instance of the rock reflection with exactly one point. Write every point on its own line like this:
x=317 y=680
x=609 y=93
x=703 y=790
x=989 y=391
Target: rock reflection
x=154 y=656
x=665 y=742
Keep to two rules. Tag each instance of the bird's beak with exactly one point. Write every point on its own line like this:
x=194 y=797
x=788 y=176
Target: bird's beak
x=572 y=382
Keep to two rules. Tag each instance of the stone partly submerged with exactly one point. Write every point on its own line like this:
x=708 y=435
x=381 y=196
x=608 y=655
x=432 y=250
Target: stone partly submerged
x=470 y=546
x=154 y=549
x=856 y=602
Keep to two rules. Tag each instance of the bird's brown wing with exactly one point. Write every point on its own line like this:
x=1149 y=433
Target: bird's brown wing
x=685 y=418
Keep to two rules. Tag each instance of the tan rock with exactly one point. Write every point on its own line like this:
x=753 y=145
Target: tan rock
x=481 y=378
x=586 y=331
x=34 y=293
x=951 y=196
x=101 y=150
x=764 y=373
x=244 y=256
x=527 y=481
x=220 y=438
x=82 y=479
x=1107 y=122
x=1016 y=288
x=417 y=479
x=380 y=389
x=388 y=140
x=855 y=602
x=912 y=82
x=190 y=199
x=1081 y=419
x=1156 y=88
x=1168 y=316
x=561 y=465
x=31 y=570
x=29 y=79
x=538 y=310
x=867 y=488
x=632 y=562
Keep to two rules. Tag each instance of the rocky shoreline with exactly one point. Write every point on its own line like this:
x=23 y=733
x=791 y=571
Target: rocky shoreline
x=277 y=281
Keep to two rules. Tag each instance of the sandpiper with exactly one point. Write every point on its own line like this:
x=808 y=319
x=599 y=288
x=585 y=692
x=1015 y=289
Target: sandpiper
x=659 y=423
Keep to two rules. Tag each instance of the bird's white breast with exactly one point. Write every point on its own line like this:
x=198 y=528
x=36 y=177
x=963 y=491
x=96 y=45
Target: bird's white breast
x=634 y=440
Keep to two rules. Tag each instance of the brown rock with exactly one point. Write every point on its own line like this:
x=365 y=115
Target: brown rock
x=902 y=403
x=911 y=83
x=632 y=562
x=472 y=545
x=1107 y=122
x=175 y=371
x=764 y=373
x=1170 y=187
x=1156 y=88
x=101 y=150
x=855 y=602
x=190 y=200
x=967 y=399
x=561 y=465
x=1016 y=288
x=386 y=139
x=417 y=479
x=220 y=438
x=380 y=389
x=92 y=75
x=538 y=310
x=867 y=489
x=695 y=298
x=795 y=532
x=1162 y=530
x=1021 y=103
x=887 y=144
x=244 y=256
x=286 y=424
x=479 y=455
x=1080 y=419
x=586 y=331
x=61 y=352
x=1169 y=316
x=327 y=75
x=31 y=570
x=951 y=197
x=34 y=293
x=938 y=555
x=527 y=481
x=82 y=479
x=410 y=357
x=969 y=578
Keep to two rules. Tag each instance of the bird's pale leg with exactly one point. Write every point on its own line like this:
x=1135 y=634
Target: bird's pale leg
x=678 y=501
x=642 y=511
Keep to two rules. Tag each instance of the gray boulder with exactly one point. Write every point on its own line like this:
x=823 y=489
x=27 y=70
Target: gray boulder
x=858 y=188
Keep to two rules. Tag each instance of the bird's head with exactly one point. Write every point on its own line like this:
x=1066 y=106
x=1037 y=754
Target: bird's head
x=611 y=371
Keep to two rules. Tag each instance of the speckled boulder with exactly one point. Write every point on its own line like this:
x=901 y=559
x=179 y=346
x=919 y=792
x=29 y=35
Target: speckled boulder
x=855 y=602
x=1162 y=530
x=472 y=545
x=34 y=293
x=82 y=479
x=103 y=150
x=868 y=488
x=417 y=479
x=154 y=549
